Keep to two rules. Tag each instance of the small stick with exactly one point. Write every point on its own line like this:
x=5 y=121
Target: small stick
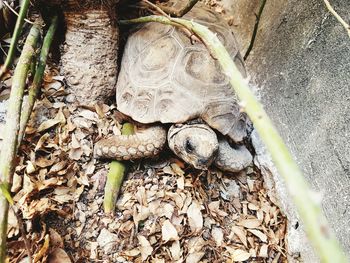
x=157 y=8
x=15 y=37
x=9 y=146
x=23 y=233
x=255 y=30
x=338 y=17
x=183 y=11
x=14 y=11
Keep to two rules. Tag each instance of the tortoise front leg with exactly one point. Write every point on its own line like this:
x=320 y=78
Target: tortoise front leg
x=232 y=159
x=146 y=142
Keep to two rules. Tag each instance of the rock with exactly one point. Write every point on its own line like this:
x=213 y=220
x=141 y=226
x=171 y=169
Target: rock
x=300 y=66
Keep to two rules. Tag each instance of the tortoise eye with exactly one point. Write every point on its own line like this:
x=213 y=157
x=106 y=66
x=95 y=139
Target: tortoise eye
x=189 y=146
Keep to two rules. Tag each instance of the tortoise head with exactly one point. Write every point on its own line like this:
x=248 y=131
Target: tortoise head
x=196 y=144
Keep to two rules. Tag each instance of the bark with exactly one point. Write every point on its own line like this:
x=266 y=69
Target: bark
x=89 y=57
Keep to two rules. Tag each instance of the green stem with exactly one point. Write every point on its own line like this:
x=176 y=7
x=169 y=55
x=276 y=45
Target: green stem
x=15 y=37
x=115 y=177
x=9 y=145
x=308 y=207
x=39 y=72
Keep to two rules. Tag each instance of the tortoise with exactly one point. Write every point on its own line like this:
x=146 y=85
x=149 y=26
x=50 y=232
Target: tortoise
x=167 y=79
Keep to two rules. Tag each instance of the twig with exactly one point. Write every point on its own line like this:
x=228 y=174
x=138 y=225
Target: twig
x=15 y=37
x=255 y=30
x=14 y=11
x=309 y=209
x=338 y=17
x=39 y=72
x=115 y=177
x=183 y=11
x=23 y=232
x=157 y=8
x=9 y=145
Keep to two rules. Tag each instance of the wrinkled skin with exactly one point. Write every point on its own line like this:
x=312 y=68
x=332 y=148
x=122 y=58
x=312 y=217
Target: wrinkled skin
x=196 y=144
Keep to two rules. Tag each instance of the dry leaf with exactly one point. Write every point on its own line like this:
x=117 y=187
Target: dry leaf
x=249 y=223
x=259 y=234
x=241 y=234
x=145 y=247
x=175 y=250
x=264 y=251
x=218 y=235
x=194 y=257
x=169 y=232
x=55 y=239
x=238 y=255
x=195 y=217
x=48 y=124
x=58 y=255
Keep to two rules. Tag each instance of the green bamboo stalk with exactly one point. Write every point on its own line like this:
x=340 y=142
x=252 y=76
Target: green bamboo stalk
x=9 y=145
x=15 y=37
x=115 y=177
x=310 y=211
x=39 y=72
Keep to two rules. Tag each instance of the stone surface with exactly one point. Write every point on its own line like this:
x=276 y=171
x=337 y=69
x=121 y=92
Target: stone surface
x=301 y=67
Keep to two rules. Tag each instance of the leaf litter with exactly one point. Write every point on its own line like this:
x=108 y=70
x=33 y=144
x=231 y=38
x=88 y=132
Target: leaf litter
x=166 y=211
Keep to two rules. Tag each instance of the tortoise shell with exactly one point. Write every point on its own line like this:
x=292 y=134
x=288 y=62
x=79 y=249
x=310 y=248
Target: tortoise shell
x=165 y=77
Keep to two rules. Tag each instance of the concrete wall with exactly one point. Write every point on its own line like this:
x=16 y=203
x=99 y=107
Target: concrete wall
x=301 y=66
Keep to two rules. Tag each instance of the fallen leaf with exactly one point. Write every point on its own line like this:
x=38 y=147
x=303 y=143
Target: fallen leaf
x=242 y=235
x=194 y=257
x=238 y=254
x=259 y=234
x=145 y=247
x=175 y=250
x=264 y=251
x=250 y=223
x=218 y=235
x=169 y=232
x=58 y=255
x=48 y=124
x=195 y=218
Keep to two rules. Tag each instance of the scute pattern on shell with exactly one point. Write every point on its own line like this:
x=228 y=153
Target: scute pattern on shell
x=166 y=78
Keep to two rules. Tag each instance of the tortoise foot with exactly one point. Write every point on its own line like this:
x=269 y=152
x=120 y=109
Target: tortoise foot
x=232 y=159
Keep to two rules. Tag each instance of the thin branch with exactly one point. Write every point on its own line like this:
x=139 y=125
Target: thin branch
x=15 y=36
x=23 y=233
x=338 y=17
x=255 y=30
x=155 y=7
x=183 y=11
x=14 y=11
x=9 y=146
x=309 y=208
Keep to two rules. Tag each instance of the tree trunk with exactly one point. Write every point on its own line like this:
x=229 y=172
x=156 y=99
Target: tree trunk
x=89 y=55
